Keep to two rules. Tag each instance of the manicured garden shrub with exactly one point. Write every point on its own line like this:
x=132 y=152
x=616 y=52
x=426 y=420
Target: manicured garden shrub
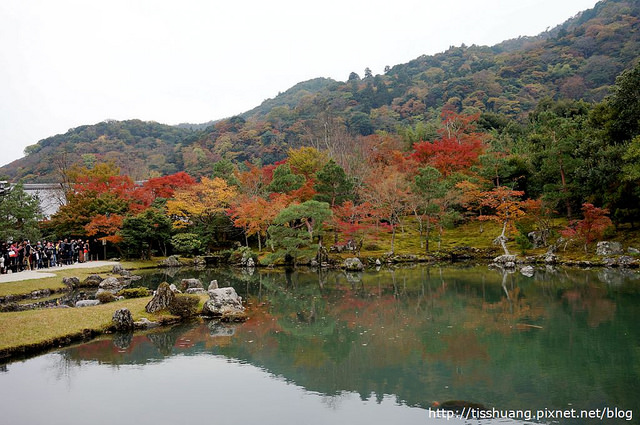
x=184 y=305
x=105 y=297
x=134 y=293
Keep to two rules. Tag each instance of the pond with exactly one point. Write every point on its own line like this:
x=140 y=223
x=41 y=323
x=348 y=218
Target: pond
x=383 y=346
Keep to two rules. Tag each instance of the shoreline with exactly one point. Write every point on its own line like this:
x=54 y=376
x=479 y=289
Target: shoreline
x=88 y=331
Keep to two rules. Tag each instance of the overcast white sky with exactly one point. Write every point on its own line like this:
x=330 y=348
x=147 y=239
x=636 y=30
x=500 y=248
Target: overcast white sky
x=66 y=63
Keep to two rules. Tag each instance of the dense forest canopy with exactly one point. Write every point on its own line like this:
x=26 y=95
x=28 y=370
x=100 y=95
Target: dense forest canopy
x=516 y=134
x=578 y=60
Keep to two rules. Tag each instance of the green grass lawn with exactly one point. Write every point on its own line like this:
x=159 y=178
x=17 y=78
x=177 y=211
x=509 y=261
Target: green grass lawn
x=52 y=283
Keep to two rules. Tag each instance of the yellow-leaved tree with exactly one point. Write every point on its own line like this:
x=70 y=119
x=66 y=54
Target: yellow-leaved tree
x=202 y=203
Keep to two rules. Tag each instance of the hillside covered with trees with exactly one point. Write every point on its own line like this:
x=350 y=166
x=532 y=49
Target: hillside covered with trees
x=520 y=134
x=577 y=60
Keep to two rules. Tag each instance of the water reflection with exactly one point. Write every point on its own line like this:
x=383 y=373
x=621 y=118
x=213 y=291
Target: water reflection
x=409 y=337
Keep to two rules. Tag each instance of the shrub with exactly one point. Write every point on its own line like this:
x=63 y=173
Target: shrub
x=184 y=305
x=105 y=297
x=134 y=293
x=186 y=243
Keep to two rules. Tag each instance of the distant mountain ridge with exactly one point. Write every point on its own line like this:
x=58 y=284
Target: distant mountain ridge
x=578 y=59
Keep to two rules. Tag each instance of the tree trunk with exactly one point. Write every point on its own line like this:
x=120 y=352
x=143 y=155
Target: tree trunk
x=428 y=229
x=502 y=239
x=393 y=237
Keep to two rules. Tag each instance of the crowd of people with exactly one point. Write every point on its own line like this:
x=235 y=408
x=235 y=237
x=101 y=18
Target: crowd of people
x=16 y=257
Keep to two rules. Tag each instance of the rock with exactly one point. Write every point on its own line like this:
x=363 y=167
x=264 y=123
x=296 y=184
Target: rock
x=190 y=283
x=111 y=284
x=621 y=261
x=161 y=299
x=538 y=238
x=550 y=258
x=633 y=251
x=626 y=261
x=117 y=269
x=224 y=303
x=171 y=261
x=122 y=319
x=71 y=281
x=250 y=263
x=353 y=264
x=607 y=248
x=87 y=303
x=92 y=280
x=145 y=323
x=40 y=293
x=378 y=262
x=213 y=284
x=174 y=289
x=527 y=271
x=196 y=291
x=501 y=259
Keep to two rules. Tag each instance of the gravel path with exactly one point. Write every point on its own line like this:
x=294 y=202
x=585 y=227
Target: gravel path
x=39 y=274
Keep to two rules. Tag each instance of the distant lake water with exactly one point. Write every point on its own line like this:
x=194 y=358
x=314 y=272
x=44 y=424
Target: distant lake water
x=379 y=347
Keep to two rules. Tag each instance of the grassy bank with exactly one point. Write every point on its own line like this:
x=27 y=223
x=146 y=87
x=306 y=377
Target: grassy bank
x=37 y=330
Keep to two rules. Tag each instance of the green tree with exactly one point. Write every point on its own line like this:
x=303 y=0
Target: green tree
x=295 y=228
x=284 y=180
x=558 y=130
x=333 y=185
x=624 y=105
x=225 y=170
x=19 y=215
x=142 y=232
x=429 y=187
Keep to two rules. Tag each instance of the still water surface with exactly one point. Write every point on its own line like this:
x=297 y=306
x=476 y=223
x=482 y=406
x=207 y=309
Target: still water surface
x=366 y=348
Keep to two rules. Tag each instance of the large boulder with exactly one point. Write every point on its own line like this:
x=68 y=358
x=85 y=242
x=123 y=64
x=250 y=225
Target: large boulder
x=117 y=269
x=111 y=284
x=186 y=284
x=123 y=320
x=145 y=323
x=71 y=282
x=527 y=271
x=161 y=299
x=171 y=261
x=225 y=304
x=607 y=248
x=92 y=280
x=353 y=264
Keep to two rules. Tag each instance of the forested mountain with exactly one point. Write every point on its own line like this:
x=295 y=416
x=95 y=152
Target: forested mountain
x=579 y=59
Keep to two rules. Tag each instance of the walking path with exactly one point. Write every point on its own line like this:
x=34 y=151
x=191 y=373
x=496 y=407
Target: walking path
x=42 y=273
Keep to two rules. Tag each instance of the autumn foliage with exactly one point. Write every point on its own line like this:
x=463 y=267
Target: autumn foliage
x=590 y=228
x=458 y=147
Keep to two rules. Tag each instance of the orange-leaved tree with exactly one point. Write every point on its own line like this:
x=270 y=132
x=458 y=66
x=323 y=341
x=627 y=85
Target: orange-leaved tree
x=456 y=149
x=506 y=209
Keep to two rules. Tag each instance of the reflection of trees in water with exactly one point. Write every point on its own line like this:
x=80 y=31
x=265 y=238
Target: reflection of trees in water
x=411 y=332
